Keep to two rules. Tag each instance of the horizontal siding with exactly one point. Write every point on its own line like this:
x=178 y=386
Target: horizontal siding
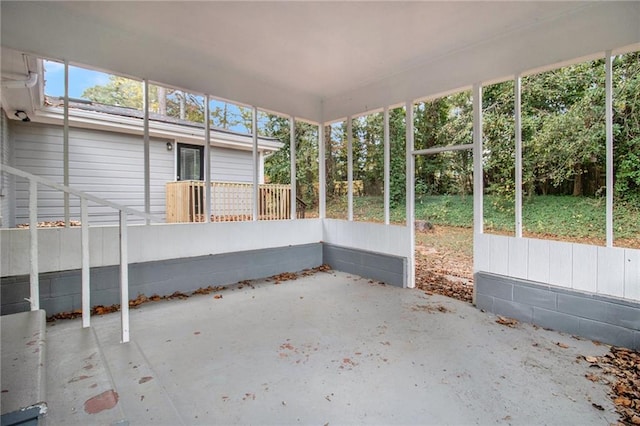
x=230 y=165
x=105 y=164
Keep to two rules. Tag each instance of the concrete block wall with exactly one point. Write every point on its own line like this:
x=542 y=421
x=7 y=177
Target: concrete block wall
x=606 y=319
x=382 y=267
x=61 y=291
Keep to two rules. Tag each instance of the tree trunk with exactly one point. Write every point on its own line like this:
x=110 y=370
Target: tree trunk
x=577 y=182
x=162 y=100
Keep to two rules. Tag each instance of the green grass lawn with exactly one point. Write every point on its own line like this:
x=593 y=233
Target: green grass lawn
x=564 y=216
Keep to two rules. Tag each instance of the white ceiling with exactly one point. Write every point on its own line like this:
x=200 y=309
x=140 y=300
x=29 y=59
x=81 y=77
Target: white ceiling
x=319 y=60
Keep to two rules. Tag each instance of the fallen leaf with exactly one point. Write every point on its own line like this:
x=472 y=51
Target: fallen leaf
x=592 y=377
x=597 y=406
x=562 y=345
x=509 y=322
x=217 y=296
x=591 y=359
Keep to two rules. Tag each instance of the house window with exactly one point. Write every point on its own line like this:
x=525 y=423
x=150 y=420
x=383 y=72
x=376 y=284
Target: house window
x=190 y=162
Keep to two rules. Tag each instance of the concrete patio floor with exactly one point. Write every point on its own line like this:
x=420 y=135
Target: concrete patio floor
x=330 y=348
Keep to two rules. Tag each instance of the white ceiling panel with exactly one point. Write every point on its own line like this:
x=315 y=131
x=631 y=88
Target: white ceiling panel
x=317 y=60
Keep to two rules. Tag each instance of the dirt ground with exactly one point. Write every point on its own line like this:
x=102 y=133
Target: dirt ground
x=444 y=262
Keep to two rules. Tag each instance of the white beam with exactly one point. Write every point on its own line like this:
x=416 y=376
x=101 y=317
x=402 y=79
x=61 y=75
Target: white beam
x=410 y=194
x=322 y=173
x=34 y=280
x=124 y=278
x=207 y=161
x=350 y=167
x=147 y=156
x=86 y=271
x=439 y=149
x=518 y=166
x=478 y=222
x=387 y=163
x=292 y=159
x=65 y=145
x=254 y=130
x=609 y=143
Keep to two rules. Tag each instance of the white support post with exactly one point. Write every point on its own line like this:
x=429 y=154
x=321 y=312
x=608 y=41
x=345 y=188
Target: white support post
x=387 y=165
x=350 y=167
x=86 y=275
x=410 y=194
x=207 y=161
x=609 y=143
x=322 y=173
x=518 y=165
x=65 y=145
x=147 y=156
x=478 y=221
x=292 y=159
x=34 y=283
x=124 y=278
x=256 y=194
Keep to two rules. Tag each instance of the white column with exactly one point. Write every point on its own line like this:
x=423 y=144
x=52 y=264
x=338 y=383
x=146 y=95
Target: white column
x=410 y=194
x=350 y=167
x=478 y=221
x=609 y=143
x=65 y=145
x=256 y=195
x=322 y=173
x=124 y=278
x=207 y=161
x=518 y=166
x=86 y=271
x=387 y=165
x=147 y=156
x=34 y=280
x=292 y=159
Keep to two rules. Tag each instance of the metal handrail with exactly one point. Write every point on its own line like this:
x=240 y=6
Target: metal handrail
x=34 y=285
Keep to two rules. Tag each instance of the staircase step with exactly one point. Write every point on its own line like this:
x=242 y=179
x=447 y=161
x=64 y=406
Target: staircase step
x=23 y=374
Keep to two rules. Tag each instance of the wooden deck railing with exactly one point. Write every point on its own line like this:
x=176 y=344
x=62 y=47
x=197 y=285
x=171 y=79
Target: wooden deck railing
x=230 y=201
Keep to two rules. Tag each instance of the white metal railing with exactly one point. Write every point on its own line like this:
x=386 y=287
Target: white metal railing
x=34 y=287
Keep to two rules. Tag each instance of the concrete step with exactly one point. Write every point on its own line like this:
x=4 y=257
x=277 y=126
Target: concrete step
x=23 y=372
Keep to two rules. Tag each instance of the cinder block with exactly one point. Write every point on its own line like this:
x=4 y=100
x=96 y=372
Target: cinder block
x=539 y=297
x=515 y=310
x=607 y=333
x=556 y=320
x=484 y=302
x=58 y=304
x=65 y=285
x=14 y=292
x=582 y=306
x=493 y=285
x=14 y=308
x=623 y=316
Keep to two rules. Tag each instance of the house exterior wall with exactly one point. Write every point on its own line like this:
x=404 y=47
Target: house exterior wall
x=231 y=165
x=105 y=164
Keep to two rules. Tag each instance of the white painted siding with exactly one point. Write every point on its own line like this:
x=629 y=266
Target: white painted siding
x=231 y=165
x=150 y=243
x=601 y=270
x=375 y=237
x=108 y=165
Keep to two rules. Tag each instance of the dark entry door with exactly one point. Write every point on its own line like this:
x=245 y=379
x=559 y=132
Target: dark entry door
x=190 y=162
